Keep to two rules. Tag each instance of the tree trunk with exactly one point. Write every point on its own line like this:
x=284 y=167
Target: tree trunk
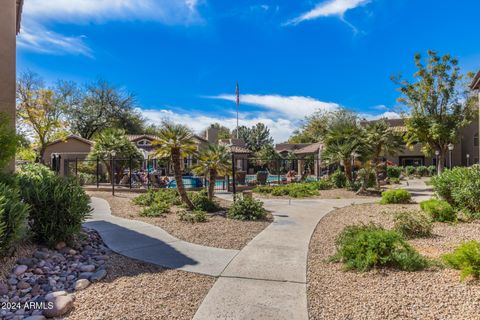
x=178 y=178
x=348 y=170
x=212 y=176
x=440 y=164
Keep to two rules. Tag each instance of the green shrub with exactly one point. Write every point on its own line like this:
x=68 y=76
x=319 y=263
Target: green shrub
x=439 y=210
x=394 y=172
x=465 y=258
x=323 y=184
x=263 y=189
x=422 y=171
x=192 y=216
x=58 y=205
x=396 y=196
x=169 y=196
x=413 y=224
x=432 y=170
x=86 y=178
x=201 y=202
x=460 y=187
x=395 y=180
x=410 y=170
x=157 y=209
x=368 y=246
x=366 y=177
x=8 y=140
x=13 y=217
x=247 y=209
x=339 y=179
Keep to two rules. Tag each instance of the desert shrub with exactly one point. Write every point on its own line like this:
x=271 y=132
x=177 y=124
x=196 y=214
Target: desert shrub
x=13 y=217
x=410 y=170
x=413 y=224
x=169 y=196
x=192 y=216
x=263 y=189
x=460 y=187
x=366 y=177
x=247 y=209
x=465 y=258
x=395 y=180
x=86 y=178
x=58 y=205
x=422 y=171
x=432 y=170
x=157 y=209
x=201 y=201
x=353 y=185
x=394 y=172
x=323 y=184
x=368 y=246
x=338 y=179
x=439 y=210
x=395 y=196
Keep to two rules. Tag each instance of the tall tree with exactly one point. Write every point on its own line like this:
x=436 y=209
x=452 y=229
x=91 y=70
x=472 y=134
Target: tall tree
x=212 y=162
x=100 y=105
x=40 y=111
x=344 y=140
x=255 y=137
x=176 y=141
x=382 y=141
x=114 y=140
x=8 y=141
x=439 y=104
x=314 y=128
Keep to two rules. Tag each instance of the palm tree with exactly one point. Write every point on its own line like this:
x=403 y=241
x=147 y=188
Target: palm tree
x=343 y=140
x=382 y=141
x=212 y=162
x=175 y=141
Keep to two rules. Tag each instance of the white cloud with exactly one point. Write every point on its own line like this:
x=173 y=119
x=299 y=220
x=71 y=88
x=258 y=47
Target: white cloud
x=280 y=128
x=385 y=115
x=290 y=107
x=38 y=14
x=327 y=9
x=42 y=40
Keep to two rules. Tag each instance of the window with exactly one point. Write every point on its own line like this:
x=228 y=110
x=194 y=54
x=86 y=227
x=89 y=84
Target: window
x=144 y=142
x=475 y=140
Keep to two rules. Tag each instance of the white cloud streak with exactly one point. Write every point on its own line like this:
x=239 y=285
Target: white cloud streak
x=280 y=128
x=38 y=14
x=291 y=107
x=327 y=9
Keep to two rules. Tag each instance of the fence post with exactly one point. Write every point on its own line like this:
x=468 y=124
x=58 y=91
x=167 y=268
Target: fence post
x=113 y=176
x=98 y=172
x=148 y=175
x=234 y=180
x=130 y=174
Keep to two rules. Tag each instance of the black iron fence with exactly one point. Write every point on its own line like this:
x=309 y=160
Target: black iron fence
x=245 y=173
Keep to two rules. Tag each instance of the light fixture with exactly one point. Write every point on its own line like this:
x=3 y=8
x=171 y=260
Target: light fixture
x=437 y=153
x=450 y=146
x=113 y=153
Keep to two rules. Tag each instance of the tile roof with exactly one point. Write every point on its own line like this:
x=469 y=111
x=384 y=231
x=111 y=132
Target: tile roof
x=311 y=148
x=72 y=136
x=282 y=147
x=19 y=14
x=238 y=150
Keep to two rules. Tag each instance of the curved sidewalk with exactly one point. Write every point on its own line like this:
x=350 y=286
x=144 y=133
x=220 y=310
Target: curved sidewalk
x=145 y=242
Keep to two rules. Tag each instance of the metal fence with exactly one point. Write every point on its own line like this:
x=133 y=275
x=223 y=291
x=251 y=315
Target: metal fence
x=246 y=173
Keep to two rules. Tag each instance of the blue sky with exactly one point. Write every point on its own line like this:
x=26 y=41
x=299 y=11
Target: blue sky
x=182 y=58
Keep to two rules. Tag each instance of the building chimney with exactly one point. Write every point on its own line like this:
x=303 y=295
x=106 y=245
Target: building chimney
x=212 y=135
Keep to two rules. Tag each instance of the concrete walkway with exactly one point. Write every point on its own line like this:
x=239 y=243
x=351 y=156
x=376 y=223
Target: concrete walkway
x=267 y=279
x=145 y=242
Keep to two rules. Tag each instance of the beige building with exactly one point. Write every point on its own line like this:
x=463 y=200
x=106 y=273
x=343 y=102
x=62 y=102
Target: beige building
x=475 y=85
x=10 y=14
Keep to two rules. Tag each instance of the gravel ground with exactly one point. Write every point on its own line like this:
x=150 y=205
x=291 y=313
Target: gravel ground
x=388 y=294
x=136 y=290
x=7 y=263
x=217 y=232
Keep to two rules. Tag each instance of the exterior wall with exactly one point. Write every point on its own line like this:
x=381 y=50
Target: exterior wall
x=467 y=144
x=8 y=23
x=71 y=149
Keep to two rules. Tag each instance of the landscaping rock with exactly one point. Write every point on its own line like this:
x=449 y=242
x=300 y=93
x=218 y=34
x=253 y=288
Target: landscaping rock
x=60 y=245
x=3 y=289
x=85 y=275
x=61 y=305
x=23 y=285
x=42 y=255
x=99 y=275
x=52 y=295
x=87 y=268
x=19 y=270
x=81 y=284
x=35 y=318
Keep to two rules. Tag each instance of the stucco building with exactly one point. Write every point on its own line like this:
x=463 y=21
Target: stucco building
x=10 y=17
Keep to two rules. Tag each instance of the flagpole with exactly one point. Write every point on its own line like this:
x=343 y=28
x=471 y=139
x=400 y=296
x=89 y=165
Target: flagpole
x=237 y=92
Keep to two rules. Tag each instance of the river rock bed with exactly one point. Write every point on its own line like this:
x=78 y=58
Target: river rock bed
x=43 y=285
